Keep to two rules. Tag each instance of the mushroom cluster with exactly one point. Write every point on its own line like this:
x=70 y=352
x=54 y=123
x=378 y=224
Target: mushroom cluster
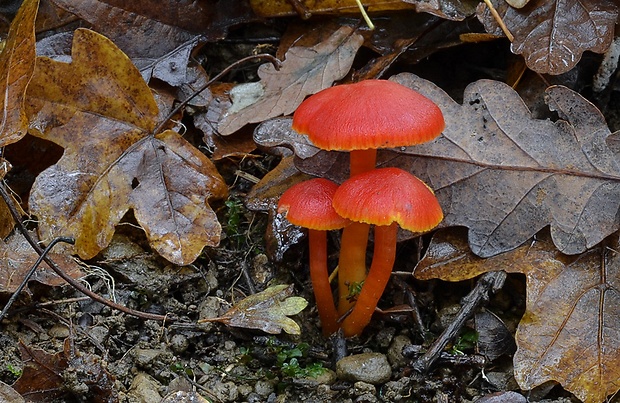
x=361 y=118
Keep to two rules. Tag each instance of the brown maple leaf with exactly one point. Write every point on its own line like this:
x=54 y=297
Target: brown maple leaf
x=100 y=110
x=569 y=330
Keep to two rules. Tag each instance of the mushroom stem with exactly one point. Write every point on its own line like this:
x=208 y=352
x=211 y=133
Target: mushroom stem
x=362 y=160
x=320 y=281
x=352 y=262
x=380 y=270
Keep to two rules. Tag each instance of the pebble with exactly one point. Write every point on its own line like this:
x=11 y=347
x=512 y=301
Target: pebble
x=179 y=343
x=144 y=388
x=503 y=397
x=395 y=351
x=371 y=368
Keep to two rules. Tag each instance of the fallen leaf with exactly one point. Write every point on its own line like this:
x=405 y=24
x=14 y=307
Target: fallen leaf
x=456 y=10
x=160 y=35
x=9 y=395
x=268 y=311
x=281 y=8
x=41 y=378
x=16 y=70
x=505 y=175
x=305 y=71
x=569 y=330
x=102 y=113
x=17 y=258
x=553 y=34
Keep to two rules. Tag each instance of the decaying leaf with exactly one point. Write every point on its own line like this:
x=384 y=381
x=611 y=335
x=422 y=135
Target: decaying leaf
x=456 y=10
x=17 y=257
x=268 y=311
x=16 y=69
x=102 y=113
x=569 y=332
x=553 y=34
x=506 y=175
x=305 y=71
x=42 y=379
x=159 y=35
x=280 y=8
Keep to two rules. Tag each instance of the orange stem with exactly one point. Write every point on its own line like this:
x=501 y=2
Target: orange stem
x=380 y=270
x=320 y=281
x=352 y=262
x=362 y=160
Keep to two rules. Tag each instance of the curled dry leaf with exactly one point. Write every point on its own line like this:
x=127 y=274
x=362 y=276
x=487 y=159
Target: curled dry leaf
x=16 y=70
x=569 y=332
x=102 y=113
x=553 y=34
x=305 y=71
x=268 y=311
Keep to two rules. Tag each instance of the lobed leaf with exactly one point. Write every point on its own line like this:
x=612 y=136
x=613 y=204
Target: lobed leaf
x=100 y=110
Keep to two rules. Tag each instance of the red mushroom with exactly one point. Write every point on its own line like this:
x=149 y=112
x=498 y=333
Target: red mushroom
x=361 y=118
x=384 y=197
x=309 y=205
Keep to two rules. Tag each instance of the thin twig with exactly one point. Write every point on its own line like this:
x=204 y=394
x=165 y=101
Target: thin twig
x=488 y=284
x=273 y=60
x=73 y=282
x=499 y=21
x=31 y=272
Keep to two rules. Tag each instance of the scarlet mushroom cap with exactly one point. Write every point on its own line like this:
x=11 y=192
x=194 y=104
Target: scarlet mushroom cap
x=309 y=204
x=368 y=114
x=386 y=197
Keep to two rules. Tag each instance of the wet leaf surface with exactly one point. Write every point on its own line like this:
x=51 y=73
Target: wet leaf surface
x=553 y=34
x=17 y=257
x=569 y=330
x=268 y=311
x=16 y=70
x=112 y=162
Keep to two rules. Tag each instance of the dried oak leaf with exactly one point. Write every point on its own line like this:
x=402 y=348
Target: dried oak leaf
x=160 y=35
x=17 y=258
x=305 y=71
x=268 y=311
x=569 y=332
x=16 y=70
x=552 y=34
x=100 y=110
x=505 y=175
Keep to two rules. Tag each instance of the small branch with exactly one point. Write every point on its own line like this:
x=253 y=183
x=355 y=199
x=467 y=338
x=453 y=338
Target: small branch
x=31 y=272
x=73 y=282
x=274 y=61
x=488 y=284
x=499 y=20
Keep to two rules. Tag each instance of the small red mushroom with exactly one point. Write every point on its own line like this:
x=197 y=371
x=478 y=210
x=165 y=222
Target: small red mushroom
x=309 y=205
x=361 y=118
x=384 y=197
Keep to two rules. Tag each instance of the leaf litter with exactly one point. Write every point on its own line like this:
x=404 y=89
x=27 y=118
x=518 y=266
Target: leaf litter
x=136 y=152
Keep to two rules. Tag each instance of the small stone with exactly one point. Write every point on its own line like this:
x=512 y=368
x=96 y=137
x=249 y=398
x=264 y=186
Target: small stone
x=144 y=356
x=179 y=343
x=144 y=388
x=395 y=352
x=503 y=397
x=371 y=368
x=58 y=332
x=263 y=388
x=361 y=388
